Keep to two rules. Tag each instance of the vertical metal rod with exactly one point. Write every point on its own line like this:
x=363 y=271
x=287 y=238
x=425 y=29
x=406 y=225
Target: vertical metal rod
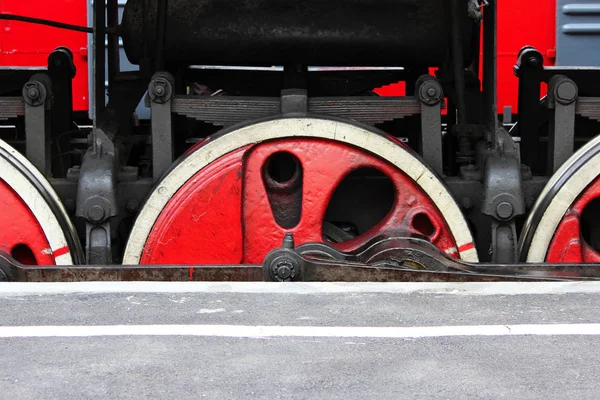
x=451 y=141
x=99 y=69
x=61 y=70
x=161 y=91
x=162 y=138
x=489 y=71
x=295 y=76
x=431 y=136
x=475 y=54
x=561 y=135
x=161 y=30
x=37 y=137
x=457 y=60
x=145 y=64
x=529 y=69
x=112 y=13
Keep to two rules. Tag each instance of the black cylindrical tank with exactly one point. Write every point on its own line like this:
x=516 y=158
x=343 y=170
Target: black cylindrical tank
x=310 y=32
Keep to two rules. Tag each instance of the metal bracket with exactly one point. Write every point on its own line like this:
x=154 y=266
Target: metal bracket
x=294 y=101
x=161 y=94
x=61 y=70
x=37 y=95
x=529 y=69
x=562 y=95
x=430 y=94
x=98 y=239
x=96 y=199
x=503 y=197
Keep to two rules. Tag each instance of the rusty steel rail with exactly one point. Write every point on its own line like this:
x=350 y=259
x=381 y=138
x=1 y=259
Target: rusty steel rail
x=11 y=270
x=313 y=271
x=344 y=272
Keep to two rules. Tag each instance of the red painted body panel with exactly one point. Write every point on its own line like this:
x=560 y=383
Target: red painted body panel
x=26 y=44
x=520 y=24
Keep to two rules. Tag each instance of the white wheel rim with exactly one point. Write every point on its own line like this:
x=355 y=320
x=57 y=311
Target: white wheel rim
x=578 y=177
x=309 y=127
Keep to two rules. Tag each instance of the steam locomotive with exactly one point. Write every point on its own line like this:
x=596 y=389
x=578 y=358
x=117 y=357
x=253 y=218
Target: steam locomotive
x=270 y=155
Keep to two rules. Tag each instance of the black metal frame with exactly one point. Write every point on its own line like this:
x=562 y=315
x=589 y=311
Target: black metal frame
x=492 y=186
x=573 y=96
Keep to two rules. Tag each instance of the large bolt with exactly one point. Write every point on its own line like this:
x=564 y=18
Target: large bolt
x=37 y=90
x=283 y=265
x=33 y=93
x=96 y=213
x=429 y=91
x=467 y=203
x=533 y=61
x=132 y=205
x=284 y=270
x=504 y=210
x=566 y=92
x=159 y=90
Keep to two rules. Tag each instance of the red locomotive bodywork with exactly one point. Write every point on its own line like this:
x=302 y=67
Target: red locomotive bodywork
x=29 y=45
x=519 y=24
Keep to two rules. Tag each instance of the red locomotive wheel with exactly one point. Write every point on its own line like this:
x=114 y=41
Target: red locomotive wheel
x=21 y=235
x=563 y=226
x=308 y=176
x=35 y=229
x=575 y=238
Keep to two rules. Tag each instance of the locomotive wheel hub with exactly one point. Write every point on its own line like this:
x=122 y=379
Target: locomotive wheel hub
x=35 y=229
x=233 y=198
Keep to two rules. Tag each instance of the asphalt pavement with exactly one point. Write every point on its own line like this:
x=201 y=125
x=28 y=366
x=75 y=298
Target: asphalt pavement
x=304 y=341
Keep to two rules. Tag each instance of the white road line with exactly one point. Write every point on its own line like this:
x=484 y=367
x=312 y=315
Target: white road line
x=467 y=288
x=249 y=331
